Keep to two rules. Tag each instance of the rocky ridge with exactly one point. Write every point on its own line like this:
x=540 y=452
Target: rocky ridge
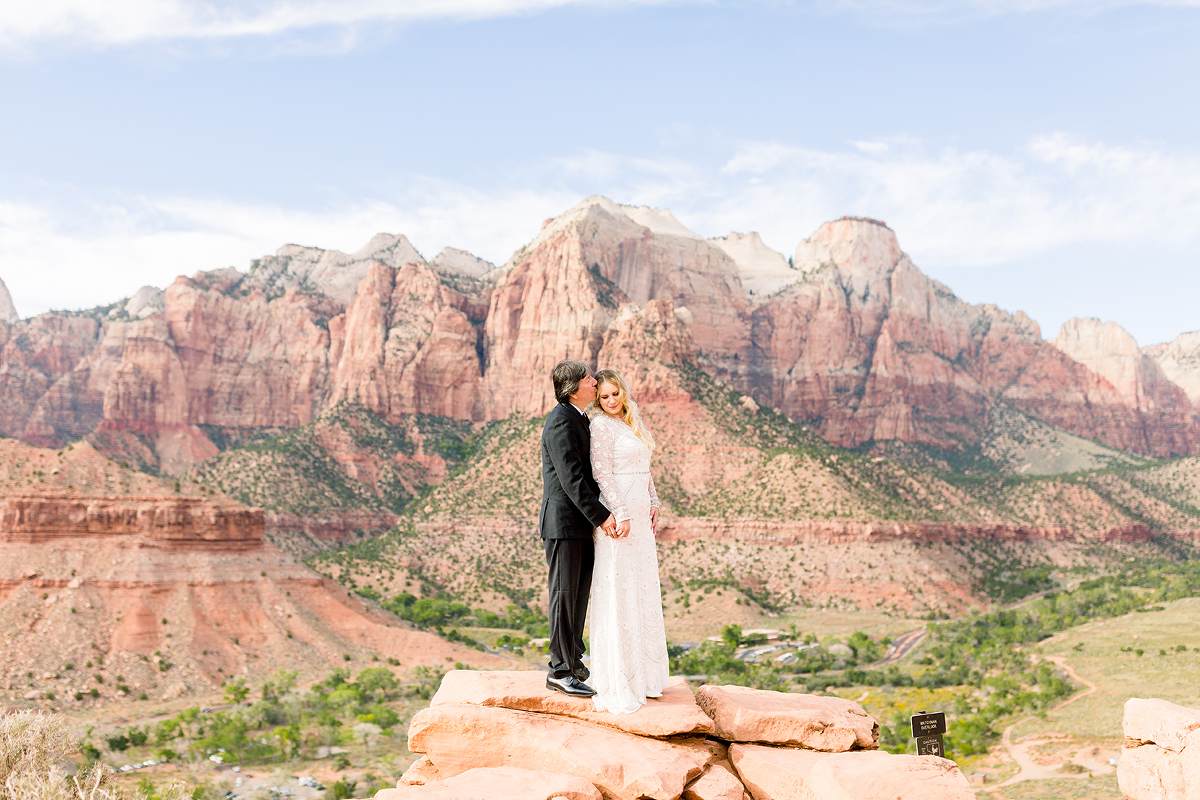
x=854 y=340
x=754 y=501
x=725 y=743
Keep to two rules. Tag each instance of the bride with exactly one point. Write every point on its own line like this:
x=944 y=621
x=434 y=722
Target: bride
x=628 y=640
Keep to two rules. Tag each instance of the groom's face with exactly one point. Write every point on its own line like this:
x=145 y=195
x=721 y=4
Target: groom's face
x=586 y=392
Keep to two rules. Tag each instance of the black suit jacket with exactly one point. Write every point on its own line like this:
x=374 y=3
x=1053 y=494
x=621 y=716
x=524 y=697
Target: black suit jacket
x=571 y=507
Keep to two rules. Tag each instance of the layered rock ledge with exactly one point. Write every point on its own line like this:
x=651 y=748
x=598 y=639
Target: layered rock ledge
x=504 y=735
x=178 y=520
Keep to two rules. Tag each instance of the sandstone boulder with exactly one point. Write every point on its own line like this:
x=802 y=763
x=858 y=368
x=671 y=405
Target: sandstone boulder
x=421 y=771
x=498 y=783
x=1158 y=722
x=719 y=782
x=1161 y=756
x=673 y=714
x=778 y=773
x=829 y=724
x=460 y=736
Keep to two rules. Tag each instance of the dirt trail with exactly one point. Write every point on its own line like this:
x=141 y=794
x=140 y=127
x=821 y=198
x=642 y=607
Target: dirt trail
x=1020 y=751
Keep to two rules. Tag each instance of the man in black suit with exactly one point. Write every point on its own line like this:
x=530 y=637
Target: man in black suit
x=571 y=511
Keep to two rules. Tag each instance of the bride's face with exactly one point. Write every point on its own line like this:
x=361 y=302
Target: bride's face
x=609 y=397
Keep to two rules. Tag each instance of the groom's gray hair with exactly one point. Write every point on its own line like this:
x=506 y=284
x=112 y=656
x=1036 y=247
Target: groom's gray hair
x=566 y=376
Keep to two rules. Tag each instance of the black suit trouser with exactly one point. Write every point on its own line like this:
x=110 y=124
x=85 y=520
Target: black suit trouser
x=570 y=562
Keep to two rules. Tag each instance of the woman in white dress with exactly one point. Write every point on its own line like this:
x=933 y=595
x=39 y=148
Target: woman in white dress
x=628 y=641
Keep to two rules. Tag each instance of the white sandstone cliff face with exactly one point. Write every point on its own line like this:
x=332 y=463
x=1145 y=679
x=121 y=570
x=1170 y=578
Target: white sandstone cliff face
x=1109 y=351
x=453 y=261
x=8 y=312
x=331 y=272
x=1180 y=362
x=762 y=270
x=146 y=301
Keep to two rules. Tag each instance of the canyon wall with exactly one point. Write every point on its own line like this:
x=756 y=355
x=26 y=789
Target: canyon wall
x=849 y=336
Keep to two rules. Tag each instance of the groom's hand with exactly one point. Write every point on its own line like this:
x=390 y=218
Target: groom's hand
x=609 y=526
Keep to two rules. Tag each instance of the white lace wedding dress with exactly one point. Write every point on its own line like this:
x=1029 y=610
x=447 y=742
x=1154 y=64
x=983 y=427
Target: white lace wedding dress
x=628 y=641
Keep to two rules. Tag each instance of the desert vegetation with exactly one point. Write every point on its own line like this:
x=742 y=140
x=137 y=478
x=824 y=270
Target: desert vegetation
x=338 y=719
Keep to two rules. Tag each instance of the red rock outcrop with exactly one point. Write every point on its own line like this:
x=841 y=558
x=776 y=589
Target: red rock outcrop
x=872 y=349
x=673 y=714
x=489 y=722
x=560 y=293
x=175 y=520
x=173 y=590
x=773 y=773
x=42 y=399
x=827 y=724
x=786 y=534
x=408 y=347
x=497 y=783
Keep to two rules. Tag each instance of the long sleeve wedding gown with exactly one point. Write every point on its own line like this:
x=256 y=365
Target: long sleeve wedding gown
x=628 y=640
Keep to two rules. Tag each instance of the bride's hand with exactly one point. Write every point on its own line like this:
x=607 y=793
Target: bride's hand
x=622 y=529
x=653 y=521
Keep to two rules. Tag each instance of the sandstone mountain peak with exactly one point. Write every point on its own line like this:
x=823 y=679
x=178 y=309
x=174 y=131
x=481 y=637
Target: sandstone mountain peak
x=459 y=262
x=331 y=272
x=855 y=340
x=392 y=249
x=1180 y=362
x=761 y=269
x=8 y=312
x=859 y=246
x=659 y=221
x=145 y=301
x=1108 y=350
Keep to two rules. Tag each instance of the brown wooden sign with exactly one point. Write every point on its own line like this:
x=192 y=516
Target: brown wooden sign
x=928 y=730
x=925 y=724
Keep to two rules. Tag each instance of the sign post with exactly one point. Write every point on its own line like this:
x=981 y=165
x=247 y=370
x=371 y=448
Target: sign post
x=928 y=730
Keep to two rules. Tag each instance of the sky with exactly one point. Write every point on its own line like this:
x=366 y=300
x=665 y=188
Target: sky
x=1040 y=155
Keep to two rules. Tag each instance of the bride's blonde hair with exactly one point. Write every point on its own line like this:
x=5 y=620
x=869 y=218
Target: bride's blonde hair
x=629 y=408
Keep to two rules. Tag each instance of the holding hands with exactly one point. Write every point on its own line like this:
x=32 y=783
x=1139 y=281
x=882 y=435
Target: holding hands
x=613 y=529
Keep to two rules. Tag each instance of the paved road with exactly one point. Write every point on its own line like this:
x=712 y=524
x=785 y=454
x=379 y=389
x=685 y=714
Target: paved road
x=901 y=647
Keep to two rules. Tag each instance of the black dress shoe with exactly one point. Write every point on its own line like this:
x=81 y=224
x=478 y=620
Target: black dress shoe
x=570 y=685
x=582 y=672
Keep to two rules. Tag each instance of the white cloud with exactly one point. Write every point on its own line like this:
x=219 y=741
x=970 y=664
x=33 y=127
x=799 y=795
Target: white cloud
x=967 y=207
x=122 y=22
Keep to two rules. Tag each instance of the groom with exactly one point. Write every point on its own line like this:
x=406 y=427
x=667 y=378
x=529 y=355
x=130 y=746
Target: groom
x=571 y=510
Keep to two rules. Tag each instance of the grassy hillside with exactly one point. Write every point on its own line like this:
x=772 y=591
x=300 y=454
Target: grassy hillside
x=750 y=483
x=347 y=460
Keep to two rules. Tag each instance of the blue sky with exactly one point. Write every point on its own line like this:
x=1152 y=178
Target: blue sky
x=1037 y=154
